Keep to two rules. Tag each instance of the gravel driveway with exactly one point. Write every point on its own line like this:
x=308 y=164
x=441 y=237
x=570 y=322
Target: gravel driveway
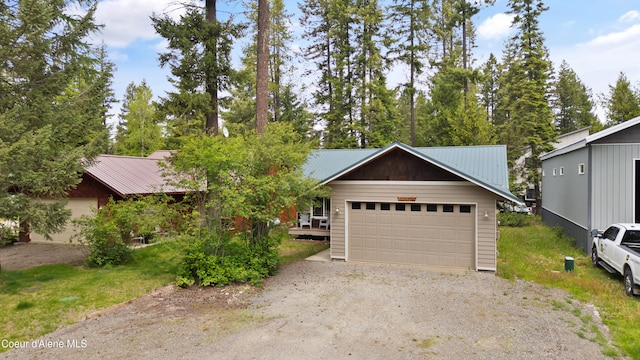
x=336 y=310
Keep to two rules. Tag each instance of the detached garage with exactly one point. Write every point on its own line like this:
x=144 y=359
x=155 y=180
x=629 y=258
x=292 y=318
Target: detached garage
x=432 y=207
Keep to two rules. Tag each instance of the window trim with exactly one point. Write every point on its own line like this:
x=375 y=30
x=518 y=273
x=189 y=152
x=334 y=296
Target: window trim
x=581 y=169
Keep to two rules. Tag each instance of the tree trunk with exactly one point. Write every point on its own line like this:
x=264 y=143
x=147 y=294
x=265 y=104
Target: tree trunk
x=262 y=68
x=212 y=81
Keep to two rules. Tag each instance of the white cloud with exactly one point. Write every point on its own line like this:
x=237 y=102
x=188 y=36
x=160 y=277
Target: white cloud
x=127 y=21
x=616 y=39
x=496 y=27
x=599 y=61
x=630 y=16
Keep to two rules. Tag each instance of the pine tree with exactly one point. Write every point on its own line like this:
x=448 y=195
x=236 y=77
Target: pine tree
x=138 y=134
x=526 y=123
x=623 y=101
x=453 y=105
x=489 y=87
x=199 y=58
x=571 y=102
x=282 y=94
x=409 y=45
x=328 y=27
x=54 y=96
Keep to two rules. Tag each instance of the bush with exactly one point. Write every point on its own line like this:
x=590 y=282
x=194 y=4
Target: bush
x=102 y=241
x=219 y=261
x=106 y=235
x=8 y=235
x=514 y=219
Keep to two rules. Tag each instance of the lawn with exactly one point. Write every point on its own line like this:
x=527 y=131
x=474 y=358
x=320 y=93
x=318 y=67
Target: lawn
x=536 y=253
x=37 y=301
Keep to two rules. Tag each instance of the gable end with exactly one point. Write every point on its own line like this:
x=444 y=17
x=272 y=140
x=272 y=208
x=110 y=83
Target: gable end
x=399 y=165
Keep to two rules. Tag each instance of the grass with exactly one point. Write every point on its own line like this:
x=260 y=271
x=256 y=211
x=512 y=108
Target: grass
x=296 y=250
x=536 y=253
x=37 y=301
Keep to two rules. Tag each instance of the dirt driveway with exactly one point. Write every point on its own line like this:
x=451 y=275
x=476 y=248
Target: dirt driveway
x=336 y=310
x=27 y=255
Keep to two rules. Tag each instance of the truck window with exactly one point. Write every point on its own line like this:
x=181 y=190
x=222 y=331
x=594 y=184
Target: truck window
x=611 y=233
x=631 y=237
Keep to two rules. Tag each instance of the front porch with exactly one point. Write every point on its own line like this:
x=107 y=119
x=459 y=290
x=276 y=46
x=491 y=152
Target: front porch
x=311 y=227
x=310 y=233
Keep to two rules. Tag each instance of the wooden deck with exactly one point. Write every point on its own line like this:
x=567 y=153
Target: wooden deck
x=309 y=233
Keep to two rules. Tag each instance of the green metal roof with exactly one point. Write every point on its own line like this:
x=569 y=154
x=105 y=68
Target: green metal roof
x=485 y=166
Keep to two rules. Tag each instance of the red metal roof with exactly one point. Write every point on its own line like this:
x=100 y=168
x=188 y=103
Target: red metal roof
x=131 y=175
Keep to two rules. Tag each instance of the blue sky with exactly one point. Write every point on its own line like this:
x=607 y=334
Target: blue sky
x=598 y=39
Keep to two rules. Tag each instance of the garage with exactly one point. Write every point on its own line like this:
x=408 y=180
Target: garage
x=78 y=207
x=433 y=207
x=429 y=234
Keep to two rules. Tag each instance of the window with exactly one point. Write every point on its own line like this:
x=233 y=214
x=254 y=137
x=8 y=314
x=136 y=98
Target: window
x=322 y=208
x=370 y=206
x=465 y=208
x=555 y=171
x=356 y=206
x=611 y=233
x=416 y=207
x=399 y=207
x=432 y=207
x=581 y=168
x=385 y=206
x=562 y=171
x=447 y=208
x=543 y=172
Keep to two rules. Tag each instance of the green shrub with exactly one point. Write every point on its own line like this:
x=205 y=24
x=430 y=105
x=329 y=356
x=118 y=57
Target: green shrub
x=102 y=241
x=8 y=235
x=106 y=235
x=514 y=219
x=216 y=261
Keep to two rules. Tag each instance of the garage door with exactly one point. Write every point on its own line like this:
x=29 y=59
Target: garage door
x=423 y=234
x=78 y=208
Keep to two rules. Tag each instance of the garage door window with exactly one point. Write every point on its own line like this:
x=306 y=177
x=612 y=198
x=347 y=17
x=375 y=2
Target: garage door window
x=385 y=206
x=355 y=206
x=432 y=207
x=447 y=208
x=416 y=207
x=465 y=208
x=371 y=206
x=399 y=207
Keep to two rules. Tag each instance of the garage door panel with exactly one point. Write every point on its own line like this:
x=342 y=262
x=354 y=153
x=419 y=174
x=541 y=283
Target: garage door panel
x=433 y=238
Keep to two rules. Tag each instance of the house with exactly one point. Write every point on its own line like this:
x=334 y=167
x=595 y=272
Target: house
x=117 y=177
x=434 y=207
x=593 y=182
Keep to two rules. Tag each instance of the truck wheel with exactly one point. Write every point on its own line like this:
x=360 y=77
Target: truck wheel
x=594 y=256
x=628 y=282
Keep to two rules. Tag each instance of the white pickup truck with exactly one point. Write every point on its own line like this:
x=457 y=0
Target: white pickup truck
x=616 y=250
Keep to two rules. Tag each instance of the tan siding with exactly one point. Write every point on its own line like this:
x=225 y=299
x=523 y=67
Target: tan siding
x=458 y=193
x=78 y=207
